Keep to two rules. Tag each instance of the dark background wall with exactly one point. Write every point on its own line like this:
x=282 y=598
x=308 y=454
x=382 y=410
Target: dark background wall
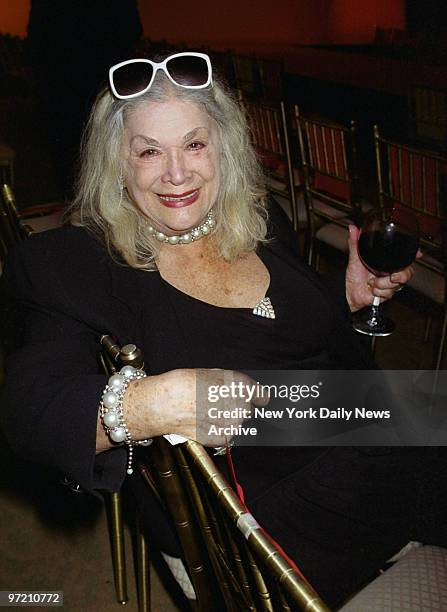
x=242 y=22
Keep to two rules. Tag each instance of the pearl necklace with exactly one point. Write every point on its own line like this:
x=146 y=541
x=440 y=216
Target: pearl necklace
x=195 y=234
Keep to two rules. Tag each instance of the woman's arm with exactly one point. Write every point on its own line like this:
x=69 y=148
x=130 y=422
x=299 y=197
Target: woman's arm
x=53 y=380
x=178 y=402
x=360 y=285
x=50 y=402
x=157 y=405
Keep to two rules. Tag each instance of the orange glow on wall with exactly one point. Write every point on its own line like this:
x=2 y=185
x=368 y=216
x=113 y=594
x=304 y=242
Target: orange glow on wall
x=14 y=17
x=200 y=21
x=355 y=21
x=235 y=22
x=242 y=22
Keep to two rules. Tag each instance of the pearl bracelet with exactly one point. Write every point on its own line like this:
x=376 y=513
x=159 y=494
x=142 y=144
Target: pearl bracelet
x=111 y=411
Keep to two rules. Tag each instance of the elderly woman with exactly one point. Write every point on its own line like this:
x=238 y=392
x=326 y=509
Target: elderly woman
x=172 y=244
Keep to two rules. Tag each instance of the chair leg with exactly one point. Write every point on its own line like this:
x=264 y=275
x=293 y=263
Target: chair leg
x=310 y=251
x=427 y=330
x=442 y=342
x=118 y=550
x=373 y=345
x=143 y=569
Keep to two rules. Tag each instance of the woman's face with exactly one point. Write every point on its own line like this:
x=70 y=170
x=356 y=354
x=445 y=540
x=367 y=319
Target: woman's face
x=171 y=175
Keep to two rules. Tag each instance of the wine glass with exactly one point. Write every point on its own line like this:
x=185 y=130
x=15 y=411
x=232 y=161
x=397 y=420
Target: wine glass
x=389 y=240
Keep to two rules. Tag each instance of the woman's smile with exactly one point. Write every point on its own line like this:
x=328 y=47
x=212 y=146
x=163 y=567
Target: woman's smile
x=172 y=200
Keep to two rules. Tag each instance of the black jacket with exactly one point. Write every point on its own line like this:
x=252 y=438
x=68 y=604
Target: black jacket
x=64 y=291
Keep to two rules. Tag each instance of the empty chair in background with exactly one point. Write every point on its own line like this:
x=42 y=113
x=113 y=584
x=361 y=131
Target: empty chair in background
x=331 y=191
x=270 y=138
x=12 y=227
x=417 y=179
x=38 y=218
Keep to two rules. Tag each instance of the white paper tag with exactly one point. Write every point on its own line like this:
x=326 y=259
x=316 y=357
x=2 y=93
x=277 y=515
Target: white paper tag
x=175 y=439
x=247 y=524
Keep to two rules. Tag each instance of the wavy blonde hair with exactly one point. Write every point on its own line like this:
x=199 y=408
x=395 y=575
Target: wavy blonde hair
x=102 y=206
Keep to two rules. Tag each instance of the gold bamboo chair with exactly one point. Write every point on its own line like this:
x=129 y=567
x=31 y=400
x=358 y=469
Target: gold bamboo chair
x=331 y=191
x=270 y=138
x=232 y=563
x=37 y=218
x=112 y=358
x=12 y=227
x=416 y=179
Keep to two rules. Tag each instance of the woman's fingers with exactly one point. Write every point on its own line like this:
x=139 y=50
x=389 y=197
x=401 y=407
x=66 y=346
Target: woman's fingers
x=212 y=405
x=403 y=276
x=386 y=286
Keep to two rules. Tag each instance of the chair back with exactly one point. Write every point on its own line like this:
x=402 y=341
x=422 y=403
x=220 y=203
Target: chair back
x=329 y=162
x=270 y=138
x=415 y=179
x=232 y=563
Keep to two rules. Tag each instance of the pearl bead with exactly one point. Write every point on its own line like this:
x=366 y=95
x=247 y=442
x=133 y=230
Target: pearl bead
x=130 y=471
x=110 y=399
x=111 y=419
x=116 y=381
x=118 y=435
x=127 y=371
x=195 y=234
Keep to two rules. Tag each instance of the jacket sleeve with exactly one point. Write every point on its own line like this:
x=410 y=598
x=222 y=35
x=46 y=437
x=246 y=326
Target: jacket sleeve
x=50 y=399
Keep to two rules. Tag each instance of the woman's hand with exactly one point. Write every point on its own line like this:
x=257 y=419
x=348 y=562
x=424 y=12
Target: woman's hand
x=187 y=402
x=362 y=285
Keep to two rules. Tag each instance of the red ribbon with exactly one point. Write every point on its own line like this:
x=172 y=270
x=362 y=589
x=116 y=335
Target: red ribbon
x=240 y=493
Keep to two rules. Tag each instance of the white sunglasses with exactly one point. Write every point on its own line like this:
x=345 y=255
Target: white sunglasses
x=134 y=77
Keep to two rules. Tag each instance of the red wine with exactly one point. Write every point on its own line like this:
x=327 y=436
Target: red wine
x=387 y=251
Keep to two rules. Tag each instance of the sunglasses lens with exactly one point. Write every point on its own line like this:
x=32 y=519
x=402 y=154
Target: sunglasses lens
x=188 y=70
x=132 y=78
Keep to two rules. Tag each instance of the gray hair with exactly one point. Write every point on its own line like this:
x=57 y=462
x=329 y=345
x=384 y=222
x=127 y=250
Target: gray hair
x=102 y=205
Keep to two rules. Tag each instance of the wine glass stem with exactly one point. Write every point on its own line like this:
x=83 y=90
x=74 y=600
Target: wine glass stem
x=375 y=317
